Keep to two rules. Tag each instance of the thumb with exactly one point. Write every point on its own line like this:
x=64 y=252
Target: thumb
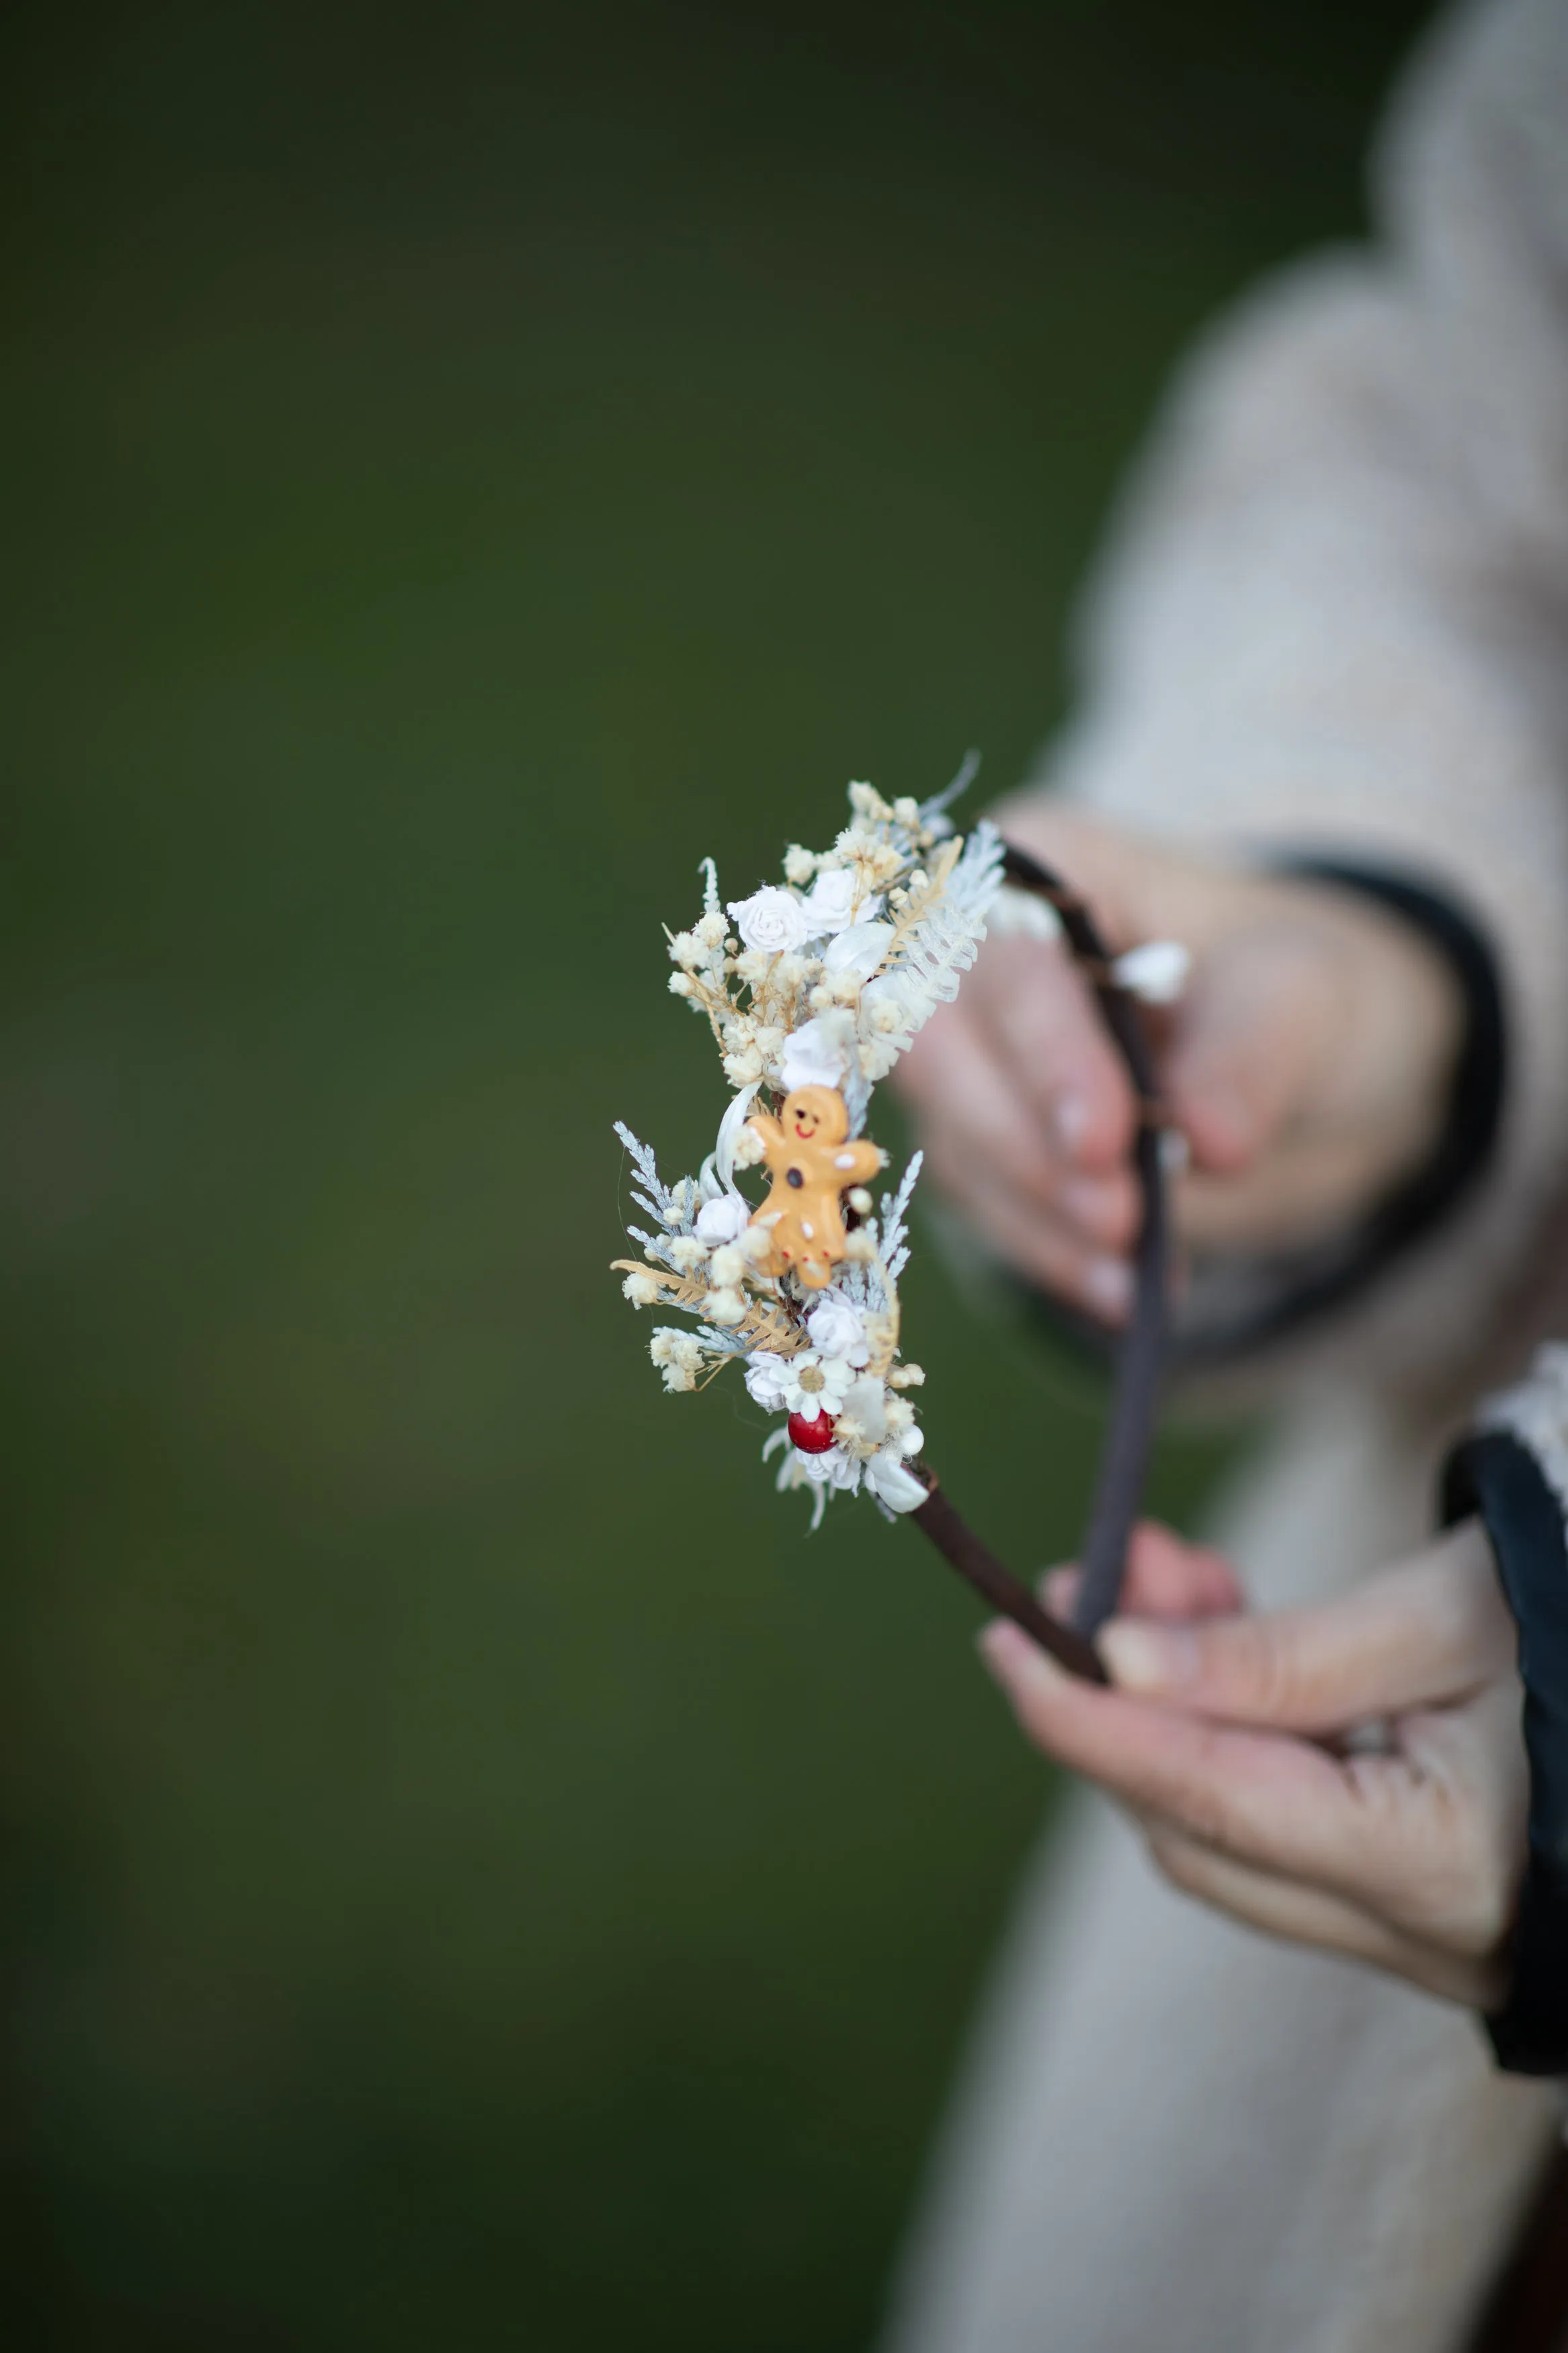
x=1413 y=1637
x=1248 y=1051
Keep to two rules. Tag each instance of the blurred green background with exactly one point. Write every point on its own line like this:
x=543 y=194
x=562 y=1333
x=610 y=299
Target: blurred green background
x=477 y=1876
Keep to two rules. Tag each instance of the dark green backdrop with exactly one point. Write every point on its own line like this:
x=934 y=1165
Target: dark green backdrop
x=477 y=1877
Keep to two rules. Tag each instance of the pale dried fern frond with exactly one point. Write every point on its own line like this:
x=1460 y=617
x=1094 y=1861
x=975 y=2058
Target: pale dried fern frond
x=759 y=1328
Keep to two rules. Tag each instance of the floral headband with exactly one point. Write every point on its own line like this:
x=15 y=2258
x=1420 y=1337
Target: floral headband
x=812 y=991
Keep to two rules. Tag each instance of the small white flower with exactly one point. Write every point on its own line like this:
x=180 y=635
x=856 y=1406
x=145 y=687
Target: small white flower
x=816 y=1384
x=858 y=949
x=813 y=1056
x=686 y=949
x=1016 y=914
x=867 y=1400
x=860 y=1200
x=678 y=1356
x=771 y=920
x=724 y=1306
x=800 y=864
x=729 y=1266
x=907 y=1376
x=832 y=1468
x=765 y=1373
x=852 y=1435
x=749 y=1146
x=838 y=1329
x=721 y=1221
x=893 y=1483
x=892 y=1007
x=836 y=900
x=743 y=1064
x=1157 y=972
x=640 y=1289
x=688 y=1253
x=874 y=862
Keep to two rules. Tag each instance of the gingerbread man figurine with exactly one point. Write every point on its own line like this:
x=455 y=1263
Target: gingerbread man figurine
x=811 y=1164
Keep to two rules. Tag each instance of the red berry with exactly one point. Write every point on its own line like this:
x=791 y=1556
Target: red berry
x=813 y=1437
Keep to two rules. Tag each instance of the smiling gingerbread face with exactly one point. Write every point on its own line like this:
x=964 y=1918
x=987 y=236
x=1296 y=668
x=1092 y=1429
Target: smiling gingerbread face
x=811 y=1164
x=814 y=1115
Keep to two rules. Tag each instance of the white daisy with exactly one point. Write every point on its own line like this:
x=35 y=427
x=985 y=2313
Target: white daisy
x=816 y=1384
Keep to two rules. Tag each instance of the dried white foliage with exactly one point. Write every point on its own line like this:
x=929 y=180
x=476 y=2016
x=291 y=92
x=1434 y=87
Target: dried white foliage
x=823 y=979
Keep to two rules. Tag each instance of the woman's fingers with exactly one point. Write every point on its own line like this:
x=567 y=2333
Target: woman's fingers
x=1258 y=1796
x=1305 y=1916
x=1250 y=1043
x=1051 y=1253
x=1165 y=1577
x=1049 y=1041
x=1168 y=1577
x=1430 y=1629
x=1019 y=1083
x=975 y=1127
x=1375 y=1829
x=1470 y=1763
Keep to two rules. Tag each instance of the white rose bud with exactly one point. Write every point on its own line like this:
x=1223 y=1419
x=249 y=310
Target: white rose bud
x=858 y=949
x=721 y=1221
x=811 y=1057
x=771 y=920
x=838 y=1330
x=830 y=902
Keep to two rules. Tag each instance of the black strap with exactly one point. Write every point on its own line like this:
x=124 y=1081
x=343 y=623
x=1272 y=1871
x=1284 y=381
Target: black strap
x=1494 y=1474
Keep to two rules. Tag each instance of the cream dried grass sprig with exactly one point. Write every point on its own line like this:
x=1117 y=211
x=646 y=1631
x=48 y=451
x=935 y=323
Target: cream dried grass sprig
x=760 y=1327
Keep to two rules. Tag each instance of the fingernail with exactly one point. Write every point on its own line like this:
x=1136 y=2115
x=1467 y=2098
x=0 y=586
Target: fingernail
x=1107 y=1285
x=1071 y=1116
x=1058 y=1590
x=1147 y=1658
x=1084 y=1199
x=1007 y=1652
